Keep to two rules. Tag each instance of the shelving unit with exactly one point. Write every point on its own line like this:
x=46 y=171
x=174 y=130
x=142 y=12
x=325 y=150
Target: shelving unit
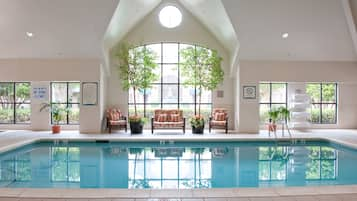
x=299 y=110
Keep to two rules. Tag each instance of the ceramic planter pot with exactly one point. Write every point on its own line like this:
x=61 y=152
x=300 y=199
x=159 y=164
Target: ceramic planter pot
x=136 y=127
x=56 y=129
x=198 y=130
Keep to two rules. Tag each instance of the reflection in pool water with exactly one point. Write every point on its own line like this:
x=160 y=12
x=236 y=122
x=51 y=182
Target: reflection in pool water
x=180 y=165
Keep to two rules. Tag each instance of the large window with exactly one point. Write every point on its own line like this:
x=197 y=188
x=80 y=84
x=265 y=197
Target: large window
x=323 y=102
x=168 y=92
x=16 y=168
x=272 y=95
x=15 y=102
x=66 y=95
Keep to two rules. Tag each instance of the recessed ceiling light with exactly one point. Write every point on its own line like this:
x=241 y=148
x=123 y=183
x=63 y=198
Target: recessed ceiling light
x=29 y=34
x=285 y=35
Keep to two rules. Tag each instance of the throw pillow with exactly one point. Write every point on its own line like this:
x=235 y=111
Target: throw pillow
x=220 y=116
x=175 y=117
x=162 y=118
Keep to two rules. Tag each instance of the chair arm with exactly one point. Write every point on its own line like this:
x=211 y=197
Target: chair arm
x=210 y=118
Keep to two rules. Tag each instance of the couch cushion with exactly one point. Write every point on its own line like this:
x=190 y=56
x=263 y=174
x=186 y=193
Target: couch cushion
x=168 y=124
x=119 y=122
x=218 y=123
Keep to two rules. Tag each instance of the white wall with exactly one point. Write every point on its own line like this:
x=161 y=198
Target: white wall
x=191 y=31
x=344 y=73
x=40 y=72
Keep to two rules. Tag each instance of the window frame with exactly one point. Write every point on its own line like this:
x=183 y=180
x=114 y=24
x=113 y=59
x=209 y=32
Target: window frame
x=161 y=83
x=67 y=103
x=67 y=161
x=270 y=103
x=320 y=159
x=321 y=102
x=14 y=103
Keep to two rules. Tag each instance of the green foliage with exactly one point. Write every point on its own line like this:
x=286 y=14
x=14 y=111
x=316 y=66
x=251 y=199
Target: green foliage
x=136 y=68
x=281 y=113
x=273 y=115
x=197 y=121
x=58 y=113
x=201 y=69
x=327 y=91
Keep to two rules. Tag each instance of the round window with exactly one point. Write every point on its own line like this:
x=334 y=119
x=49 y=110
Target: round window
x=170 y=17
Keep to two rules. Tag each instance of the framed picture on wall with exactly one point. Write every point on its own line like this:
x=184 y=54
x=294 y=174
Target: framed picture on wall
x=249 y=92
x=89 y=93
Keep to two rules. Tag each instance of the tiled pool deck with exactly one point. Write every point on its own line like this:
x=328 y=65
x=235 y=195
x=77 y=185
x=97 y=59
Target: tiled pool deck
x=12 y=139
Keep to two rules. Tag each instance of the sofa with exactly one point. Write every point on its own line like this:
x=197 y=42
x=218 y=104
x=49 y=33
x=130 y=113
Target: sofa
x=116 y=119
x=219 y=119
x=168 y=119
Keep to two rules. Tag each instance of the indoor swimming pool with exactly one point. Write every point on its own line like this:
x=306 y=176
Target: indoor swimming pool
x=177 y=165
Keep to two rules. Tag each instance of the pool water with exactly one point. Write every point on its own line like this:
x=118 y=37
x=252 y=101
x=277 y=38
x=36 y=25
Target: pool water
x=175 y=165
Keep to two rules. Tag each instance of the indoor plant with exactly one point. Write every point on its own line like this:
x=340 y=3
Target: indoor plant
x=201 y=69
x=136 y=66
x=57 y=115
x=273 y=117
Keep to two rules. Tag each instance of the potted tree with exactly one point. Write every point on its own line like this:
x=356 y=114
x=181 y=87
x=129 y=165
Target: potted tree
x=136 y=66
x=57 y=115
x=201 y=69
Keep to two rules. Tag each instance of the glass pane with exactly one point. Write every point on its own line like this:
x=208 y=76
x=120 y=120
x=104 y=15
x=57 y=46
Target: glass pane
x=278 y=93
x=59 y=92
x=73 y=114
x=63 y=118
x=23 y=113
x=263 y=113
x=188 y=110
x=264 y=153
x=184 y=46
x=157 y=71
x=187 y=94
x=206 y=111
x=206 y=96
x=186 y=167
x=157 y=49
x=6 y=113
x=170 y=93
x=329 y=93
x=7 y=92
x=328 y=113
x=74 y=92
x=315 y=113
x=169 y=106
x=276 y=106
x=153 y=95
x=23 y=170
x=170 y=73
x=138 y=94
x=264 y=93
x=313 y=90
x=150 y=109
x=314 y=152
x=170 y=53
x=140 y=110
x=22 y=93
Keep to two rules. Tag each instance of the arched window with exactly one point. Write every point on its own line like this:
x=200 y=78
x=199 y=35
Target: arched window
x=169 y=91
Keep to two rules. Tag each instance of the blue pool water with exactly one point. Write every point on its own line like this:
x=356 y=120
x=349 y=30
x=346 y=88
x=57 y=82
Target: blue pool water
x=181 y=165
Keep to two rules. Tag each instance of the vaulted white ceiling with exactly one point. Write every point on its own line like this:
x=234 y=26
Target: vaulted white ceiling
x=76 y=28
x=61 y=28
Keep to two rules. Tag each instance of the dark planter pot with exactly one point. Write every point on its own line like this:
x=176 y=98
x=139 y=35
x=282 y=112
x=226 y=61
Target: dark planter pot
x=198 y=130
x=136 y=127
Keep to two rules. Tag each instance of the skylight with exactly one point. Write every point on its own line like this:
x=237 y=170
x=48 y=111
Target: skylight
x=170 y=17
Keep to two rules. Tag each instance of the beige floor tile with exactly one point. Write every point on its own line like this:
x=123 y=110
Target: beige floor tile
x=261 y=199
x=328 y=198
x=187 y=193
x=305 y=198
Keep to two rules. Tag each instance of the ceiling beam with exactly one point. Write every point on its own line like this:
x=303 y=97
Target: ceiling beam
x=350 y=22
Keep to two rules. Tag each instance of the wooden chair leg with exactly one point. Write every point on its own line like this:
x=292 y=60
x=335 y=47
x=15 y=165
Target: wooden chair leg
x=226 y=127
x=110 y=128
